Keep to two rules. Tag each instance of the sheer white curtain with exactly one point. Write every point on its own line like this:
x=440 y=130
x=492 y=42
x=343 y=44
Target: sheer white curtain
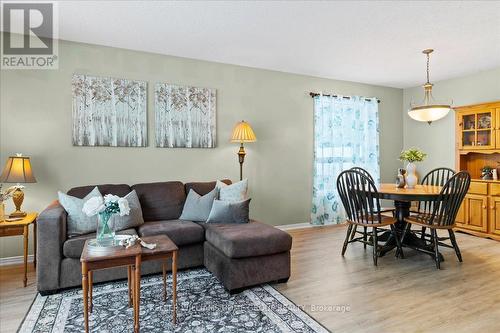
x=346 y=134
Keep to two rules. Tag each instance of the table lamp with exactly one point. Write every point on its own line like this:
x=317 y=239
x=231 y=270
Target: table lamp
x=17 y=170
x=242 y=133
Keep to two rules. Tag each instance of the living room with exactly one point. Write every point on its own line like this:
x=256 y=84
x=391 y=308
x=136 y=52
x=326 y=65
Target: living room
x=218 y=137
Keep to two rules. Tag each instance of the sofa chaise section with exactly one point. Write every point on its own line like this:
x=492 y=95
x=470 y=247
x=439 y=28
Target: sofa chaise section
x=244 y=255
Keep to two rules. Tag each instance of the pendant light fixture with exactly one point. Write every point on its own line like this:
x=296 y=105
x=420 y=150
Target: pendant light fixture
x=428 y=111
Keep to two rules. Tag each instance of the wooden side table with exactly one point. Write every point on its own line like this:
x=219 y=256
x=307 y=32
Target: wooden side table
x=165 y=249
x=92 y=261
x=18 y=228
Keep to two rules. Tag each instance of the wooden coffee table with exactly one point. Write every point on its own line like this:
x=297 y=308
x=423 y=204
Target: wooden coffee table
x=132 y=258
x=165 y=250
x=92 y=261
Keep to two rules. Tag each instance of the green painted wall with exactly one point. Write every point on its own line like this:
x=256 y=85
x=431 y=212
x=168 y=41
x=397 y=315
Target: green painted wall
x=438 y=139
x=36 y=120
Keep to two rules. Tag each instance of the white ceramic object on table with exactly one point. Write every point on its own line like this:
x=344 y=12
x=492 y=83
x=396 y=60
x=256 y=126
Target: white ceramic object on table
x=411 y=175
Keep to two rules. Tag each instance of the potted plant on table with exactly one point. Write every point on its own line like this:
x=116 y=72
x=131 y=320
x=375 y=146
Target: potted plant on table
x=411 y=156
x=105 y=208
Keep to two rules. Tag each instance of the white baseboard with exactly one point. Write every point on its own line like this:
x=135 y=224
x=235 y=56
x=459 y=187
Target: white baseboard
x=294 y=226
x=305 y=225
x=15 y=260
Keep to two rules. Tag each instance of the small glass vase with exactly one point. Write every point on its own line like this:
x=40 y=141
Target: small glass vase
x=105 y=230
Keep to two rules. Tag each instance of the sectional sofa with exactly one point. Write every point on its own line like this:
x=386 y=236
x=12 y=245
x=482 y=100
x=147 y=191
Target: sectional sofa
x=239 y=255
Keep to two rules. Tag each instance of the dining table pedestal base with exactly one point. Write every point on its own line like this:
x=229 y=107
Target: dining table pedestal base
x=411 y=240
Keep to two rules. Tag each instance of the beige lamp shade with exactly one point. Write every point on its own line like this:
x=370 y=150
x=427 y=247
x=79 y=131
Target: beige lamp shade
x=243 y=132
x=17 y=170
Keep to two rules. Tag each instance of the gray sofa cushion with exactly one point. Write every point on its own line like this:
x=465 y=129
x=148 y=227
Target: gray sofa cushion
x=120 y=190
x=161 y=201
x=229 y=212
x=179 y=231
x=247 y=240
x=73 y=247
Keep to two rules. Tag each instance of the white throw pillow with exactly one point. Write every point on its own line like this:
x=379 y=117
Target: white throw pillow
x=234 y=192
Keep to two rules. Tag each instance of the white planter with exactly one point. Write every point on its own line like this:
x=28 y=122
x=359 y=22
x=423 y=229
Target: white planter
x=411 y=176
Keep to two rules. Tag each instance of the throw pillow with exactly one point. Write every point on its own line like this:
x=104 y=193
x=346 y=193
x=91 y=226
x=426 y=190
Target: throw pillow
x=78 y=223
x=234 y=192
x=229 y=212
x=197 y=207
x=134 y=218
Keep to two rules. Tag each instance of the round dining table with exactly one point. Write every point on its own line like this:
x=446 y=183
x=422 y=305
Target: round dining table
x=403 y=198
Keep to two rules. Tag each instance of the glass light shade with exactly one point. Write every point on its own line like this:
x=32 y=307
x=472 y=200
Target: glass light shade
x=17 y=170
x=243 y=132
x=429 y=113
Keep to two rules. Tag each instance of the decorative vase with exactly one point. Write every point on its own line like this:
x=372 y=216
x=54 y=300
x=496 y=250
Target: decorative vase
x=105 y=230
x=411 y=176
x=2 y=211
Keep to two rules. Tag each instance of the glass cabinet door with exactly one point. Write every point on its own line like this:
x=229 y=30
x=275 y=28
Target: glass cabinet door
x=468 y=131
x=485 y=130
x=478 y=130
x=497 y=131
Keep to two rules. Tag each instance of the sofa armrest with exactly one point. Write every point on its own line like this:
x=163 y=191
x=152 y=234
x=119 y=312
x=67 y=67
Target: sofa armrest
x=51 y=234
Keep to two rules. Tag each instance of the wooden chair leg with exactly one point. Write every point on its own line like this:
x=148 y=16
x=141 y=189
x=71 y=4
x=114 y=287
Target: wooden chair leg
x=365 y=236
x=422 y=237
x=375 y=246
x=399 y=250
x=346 y=241
x=455 y=245
x=436 y=249
x=406 y=228
x=353 y=233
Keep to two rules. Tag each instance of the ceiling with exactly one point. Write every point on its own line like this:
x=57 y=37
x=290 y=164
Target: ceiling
x=376 y=42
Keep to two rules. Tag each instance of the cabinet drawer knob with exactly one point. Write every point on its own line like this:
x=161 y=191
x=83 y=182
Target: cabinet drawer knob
x=484 y=207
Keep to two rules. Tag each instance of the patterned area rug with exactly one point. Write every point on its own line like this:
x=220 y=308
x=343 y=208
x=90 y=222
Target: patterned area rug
x=203 y=306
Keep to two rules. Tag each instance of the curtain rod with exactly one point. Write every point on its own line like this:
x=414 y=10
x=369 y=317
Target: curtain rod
x=313 y=94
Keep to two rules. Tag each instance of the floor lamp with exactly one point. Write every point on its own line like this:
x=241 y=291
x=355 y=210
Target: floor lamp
x=242 y=133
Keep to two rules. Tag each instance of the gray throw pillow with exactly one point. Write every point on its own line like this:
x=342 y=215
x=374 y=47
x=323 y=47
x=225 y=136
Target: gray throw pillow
x=197 y=207
x=229 y=212
x=134 y=218
x=78 y=222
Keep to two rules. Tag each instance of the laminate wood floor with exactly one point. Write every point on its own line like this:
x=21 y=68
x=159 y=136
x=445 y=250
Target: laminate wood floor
x=349 y=294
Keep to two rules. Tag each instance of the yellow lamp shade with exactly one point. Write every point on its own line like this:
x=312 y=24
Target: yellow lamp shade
x=17 y=170
x=242 y=132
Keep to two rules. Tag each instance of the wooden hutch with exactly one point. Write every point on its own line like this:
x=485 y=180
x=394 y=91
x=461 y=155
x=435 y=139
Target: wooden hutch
x=477 y=146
